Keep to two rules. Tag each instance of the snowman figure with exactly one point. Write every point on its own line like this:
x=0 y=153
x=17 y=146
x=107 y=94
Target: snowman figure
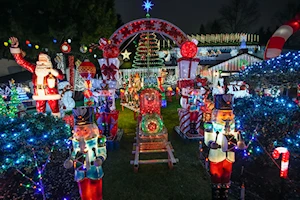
x=67 y=103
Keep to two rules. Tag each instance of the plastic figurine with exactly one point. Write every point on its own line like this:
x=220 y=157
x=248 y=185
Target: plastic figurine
x=87 y=155
x=44 y=78
x=223 y=140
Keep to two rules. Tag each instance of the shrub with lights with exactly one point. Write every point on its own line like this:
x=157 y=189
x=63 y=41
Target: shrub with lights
x=27 y=144
x=268 y=122
x=283 y=70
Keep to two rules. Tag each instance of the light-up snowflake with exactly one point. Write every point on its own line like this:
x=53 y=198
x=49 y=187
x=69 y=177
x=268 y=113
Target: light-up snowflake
x=148 y=5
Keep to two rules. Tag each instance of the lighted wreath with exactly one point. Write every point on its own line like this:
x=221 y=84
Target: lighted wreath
x=151 y=124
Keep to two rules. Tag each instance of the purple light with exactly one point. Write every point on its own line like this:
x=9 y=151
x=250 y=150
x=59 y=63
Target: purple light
x=164 y=103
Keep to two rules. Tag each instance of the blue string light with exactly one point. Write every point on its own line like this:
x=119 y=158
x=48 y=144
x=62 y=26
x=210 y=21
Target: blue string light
x=269 y=119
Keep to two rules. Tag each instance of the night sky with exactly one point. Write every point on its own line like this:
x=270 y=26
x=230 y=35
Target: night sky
x=189 y=15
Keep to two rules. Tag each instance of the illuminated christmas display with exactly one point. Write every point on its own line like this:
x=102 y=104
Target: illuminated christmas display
x=276 y=42
x=87 y=71
x=44 y=78
x=14 y=101
x=151 y=135
x=237 y=115
x=222 y=139
x=88 y=154
x=194 y=92
x=147 y=52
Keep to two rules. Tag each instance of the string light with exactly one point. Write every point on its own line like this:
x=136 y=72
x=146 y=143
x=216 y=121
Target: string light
x=31 y=130
x=265 y=123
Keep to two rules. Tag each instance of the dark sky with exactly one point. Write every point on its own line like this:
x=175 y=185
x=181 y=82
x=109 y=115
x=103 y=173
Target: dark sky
x=189 y=14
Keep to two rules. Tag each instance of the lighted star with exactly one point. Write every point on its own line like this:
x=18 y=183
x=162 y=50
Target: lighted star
x=148 y=5
x=126 y=55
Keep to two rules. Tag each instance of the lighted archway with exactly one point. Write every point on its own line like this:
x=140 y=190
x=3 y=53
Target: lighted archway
x=151 y=25
x=281 y=35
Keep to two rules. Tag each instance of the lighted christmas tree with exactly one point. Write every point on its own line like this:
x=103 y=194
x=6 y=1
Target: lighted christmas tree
x=147 y=52
x=14 y=100
x=3 y=109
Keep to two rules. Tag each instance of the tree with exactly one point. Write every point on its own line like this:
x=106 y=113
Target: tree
x=216 y=27
x=267 y=123
x=269 y=120
x=287 y=13
x=14 y=101
x=119 y=21
x=147 y=52
x=283 y=71
x=284 y=15
x=83 y=21
x=264 y=35
x=202 y=29
x=239 y=15
x=3 y=107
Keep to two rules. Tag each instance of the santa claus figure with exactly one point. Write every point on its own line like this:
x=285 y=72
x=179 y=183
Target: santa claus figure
x=44 y=78
x=222 y=140
x=87 y=155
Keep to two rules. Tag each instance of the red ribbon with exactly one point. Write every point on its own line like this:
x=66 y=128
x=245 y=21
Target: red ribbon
x=190 y=66
x=203 y=81
x=185 y=83
x=109 y=70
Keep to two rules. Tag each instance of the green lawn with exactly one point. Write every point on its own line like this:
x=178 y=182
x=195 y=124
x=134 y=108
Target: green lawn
x=188 y=180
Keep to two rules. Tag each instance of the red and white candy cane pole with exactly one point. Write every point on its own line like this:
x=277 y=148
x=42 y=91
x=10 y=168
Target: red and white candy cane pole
x=284 y=160
x=184 y=120
x=281 y=35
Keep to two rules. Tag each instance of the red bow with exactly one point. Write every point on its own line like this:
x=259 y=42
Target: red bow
x=109 y=71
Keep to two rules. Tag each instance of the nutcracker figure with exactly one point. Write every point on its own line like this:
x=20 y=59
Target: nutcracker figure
x=222 y=140
x=44 y=78
x=87 y=155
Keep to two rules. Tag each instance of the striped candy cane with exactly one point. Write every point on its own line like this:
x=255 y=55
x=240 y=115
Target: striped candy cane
x=184 y=120
x=198 y=122
x=281 y=35
x=284 y=160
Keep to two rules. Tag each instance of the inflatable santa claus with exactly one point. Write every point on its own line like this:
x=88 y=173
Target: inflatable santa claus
x=222 y=140
x=44 y=78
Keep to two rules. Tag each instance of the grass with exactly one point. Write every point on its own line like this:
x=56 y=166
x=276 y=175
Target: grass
x=188 y=180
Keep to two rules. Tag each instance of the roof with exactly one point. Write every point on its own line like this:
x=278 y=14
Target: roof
x=236 y=62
